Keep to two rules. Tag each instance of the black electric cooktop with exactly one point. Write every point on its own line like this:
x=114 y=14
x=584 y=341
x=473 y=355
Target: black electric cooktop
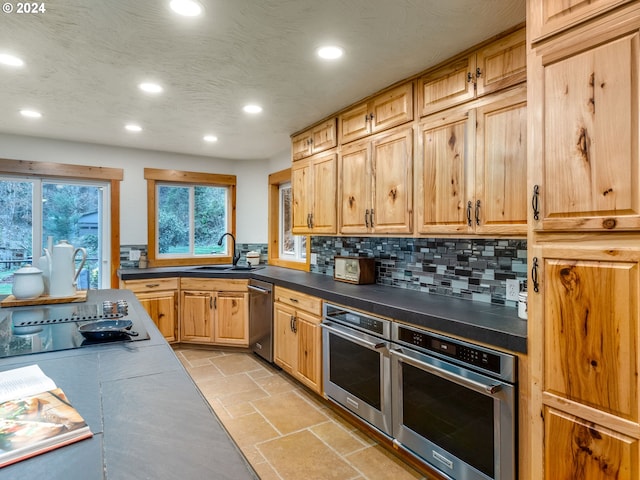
x=48 y=328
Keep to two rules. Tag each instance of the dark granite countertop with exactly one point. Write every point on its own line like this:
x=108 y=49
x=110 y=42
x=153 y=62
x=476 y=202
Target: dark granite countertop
x=148 y=418
x=490 y=324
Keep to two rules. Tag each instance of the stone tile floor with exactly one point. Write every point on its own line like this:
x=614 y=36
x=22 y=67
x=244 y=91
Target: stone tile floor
x=285 y=431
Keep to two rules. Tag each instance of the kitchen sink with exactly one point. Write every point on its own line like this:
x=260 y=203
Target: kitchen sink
x=214 y=267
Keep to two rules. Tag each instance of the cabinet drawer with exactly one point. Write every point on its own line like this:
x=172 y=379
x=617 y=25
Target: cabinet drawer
x=214 y=284
x=150 y=284
x=299 y=300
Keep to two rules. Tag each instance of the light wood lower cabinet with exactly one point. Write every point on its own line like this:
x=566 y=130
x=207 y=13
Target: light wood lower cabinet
x=298 y=336
x=159 y=297
x=214 y=311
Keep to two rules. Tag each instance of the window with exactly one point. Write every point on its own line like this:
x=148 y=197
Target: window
x=188 y=214
x=37 y=204
x=292 y=247
x=285 y=249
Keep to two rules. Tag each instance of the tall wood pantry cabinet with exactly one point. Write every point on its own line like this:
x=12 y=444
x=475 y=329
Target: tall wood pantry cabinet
x=584 y=239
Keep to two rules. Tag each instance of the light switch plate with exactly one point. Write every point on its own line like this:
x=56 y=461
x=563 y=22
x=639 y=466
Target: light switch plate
x=513 y=289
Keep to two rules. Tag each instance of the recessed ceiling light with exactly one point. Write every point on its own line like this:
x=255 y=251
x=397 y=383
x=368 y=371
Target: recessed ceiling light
x=210 y=138
x=186 y=8
x=30 y=113
x=10 y=60
x=132 y=127
x=252 y=108
x=150 y=87
x=330 y=52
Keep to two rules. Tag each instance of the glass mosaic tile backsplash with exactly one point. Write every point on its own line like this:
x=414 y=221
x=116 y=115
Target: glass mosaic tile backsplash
x=242 y=248
x=472 y=269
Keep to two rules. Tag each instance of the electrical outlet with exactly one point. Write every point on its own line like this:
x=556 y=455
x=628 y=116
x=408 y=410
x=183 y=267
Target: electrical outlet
x=314 y=259
x=513 y=289
x=134 y=255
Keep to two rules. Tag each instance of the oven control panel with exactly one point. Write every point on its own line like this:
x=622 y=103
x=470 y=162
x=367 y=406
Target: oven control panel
x=464 y=353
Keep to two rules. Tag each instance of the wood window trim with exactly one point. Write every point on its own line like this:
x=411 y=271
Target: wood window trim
x=62 y=170
x=273 y=258
x=154 y=175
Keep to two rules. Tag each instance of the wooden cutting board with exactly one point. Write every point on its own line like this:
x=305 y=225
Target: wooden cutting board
x=12 y=301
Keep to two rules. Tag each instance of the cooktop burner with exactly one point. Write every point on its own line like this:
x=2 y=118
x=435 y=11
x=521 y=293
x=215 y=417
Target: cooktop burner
x=47 y=328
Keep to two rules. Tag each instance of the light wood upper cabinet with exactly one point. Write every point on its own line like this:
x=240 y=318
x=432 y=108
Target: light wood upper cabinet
x=471 y=170
x=496 y=66
x=376 y=184
x=314 y=140
x=548 y=17
x=386 y=110
x=314 y=186
x=587 y=171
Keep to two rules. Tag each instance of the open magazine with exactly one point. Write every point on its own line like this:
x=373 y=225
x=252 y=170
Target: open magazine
x=35 y=415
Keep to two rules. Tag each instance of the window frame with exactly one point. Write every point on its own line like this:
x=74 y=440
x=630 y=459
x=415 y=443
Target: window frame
x=62 y=171
x=155 y=176
x=275 y=180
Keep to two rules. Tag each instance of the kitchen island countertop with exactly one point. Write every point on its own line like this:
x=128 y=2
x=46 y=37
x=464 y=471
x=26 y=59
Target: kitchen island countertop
x=494 y=325
x=148 y=418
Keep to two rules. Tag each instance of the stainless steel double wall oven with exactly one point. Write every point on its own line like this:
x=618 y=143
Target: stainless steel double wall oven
x=450 y=403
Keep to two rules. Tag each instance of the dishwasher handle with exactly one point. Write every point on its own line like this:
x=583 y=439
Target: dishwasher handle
x=485 y=388
x=259 y=289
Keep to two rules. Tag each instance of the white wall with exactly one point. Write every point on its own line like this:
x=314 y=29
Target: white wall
x=252 y=178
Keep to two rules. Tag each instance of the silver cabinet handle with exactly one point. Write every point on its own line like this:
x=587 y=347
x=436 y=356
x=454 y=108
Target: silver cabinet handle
x=372 y=218
x=366 y=218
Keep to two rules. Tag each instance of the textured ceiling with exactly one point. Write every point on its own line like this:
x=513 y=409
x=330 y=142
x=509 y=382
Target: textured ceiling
x=84 y=59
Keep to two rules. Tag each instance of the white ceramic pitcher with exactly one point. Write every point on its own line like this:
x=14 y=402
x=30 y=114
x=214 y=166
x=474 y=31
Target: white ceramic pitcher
x=63 y=273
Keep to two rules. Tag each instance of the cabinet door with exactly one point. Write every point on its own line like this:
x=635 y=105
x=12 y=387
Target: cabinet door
x=589 y=302
x=590 y=173
x=546 y=17
x=301 y=146
x=502 y=63
x=324 y=136
x=302 y=191
x=309 y=352
x=354 y=123
x=324 y=178
x=595 y=452
x=285 y=342
x=447 y=86
x=392 y=169
x=197 y=316
x=501 y=165
x=355 y=188
x=161 y=307
x=442 y=171
x=391 y=108
x=231 y=318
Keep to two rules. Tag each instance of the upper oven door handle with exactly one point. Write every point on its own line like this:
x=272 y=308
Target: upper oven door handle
x=485 y=388
x=341 y=332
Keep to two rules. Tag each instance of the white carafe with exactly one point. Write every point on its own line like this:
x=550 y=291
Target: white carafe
x=63 y=273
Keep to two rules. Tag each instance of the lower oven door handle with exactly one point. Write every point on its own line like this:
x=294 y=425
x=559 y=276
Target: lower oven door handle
x=491 y=389
x=353 y=338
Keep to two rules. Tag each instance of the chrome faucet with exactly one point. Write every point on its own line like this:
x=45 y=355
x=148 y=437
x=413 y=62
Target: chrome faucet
x=233 y=243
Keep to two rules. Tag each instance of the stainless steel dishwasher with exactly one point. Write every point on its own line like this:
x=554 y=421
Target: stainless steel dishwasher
x=261 y=318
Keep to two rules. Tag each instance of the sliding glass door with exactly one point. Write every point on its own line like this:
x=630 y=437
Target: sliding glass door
x=33 y=210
